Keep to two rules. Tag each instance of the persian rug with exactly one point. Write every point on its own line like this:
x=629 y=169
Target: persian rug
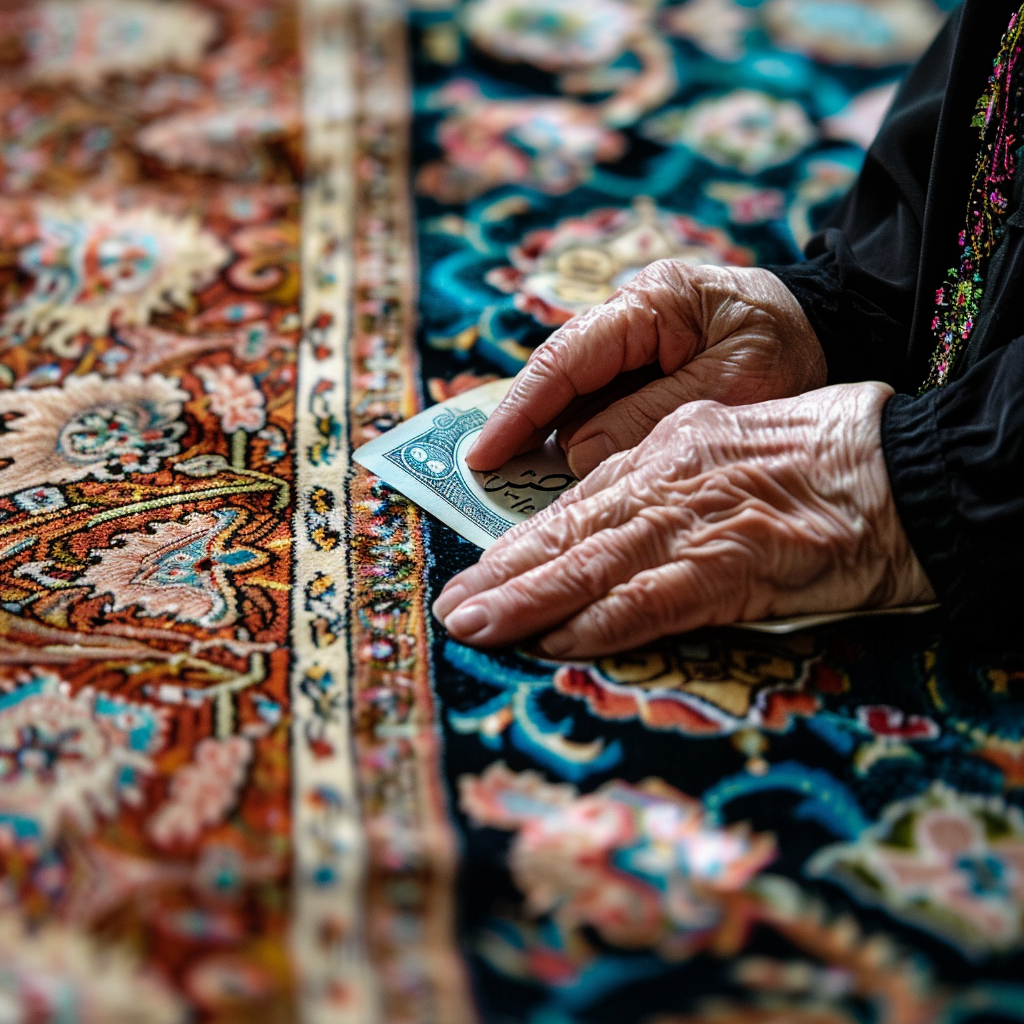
x=243 y=774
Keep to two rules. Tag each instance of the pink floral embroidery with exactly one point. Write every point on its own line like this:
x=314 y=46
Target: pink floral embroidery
x=234 y=397
x=998 y=120
x=202 y=792
x=640 y=864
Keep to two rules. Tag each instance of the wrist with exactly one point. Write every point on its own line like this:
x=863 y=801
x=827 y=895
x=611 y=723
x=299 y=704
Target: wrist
x=855 y=470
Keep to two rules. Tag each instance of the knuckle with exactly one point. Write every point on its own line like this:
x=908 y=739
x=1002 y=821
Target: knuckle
x=649 y=598
x=625 y=614
x=661 y=273
x=547 y=359
x=586 y=569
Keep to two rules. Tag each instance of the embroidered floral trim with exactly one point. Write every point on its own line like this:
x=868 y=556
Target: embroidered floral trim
x=998 y=118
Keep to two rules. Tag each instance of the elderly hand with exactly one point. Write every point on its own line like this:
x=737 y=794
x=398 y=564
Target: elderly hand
x=722 y=514
x=675 y=334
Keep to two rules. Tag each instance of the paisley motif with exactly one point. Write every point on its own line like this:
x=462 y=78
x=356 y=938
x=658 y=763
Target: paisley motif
x=178 y=569
x=745 y=130
x=95 y=266
x=951 y=863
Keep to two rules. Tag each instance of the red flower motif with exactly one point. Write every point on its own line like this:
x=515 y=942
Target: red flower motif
x=893 y=723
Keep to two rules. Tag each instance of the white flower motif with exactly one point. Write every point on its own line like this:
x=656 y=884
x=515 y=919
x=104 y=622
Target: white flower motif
x=40 y=499
x=96 y=266
x=90 y=427
x=556 y=35
x=203 y=466
x=745 y=130
x=83 y=41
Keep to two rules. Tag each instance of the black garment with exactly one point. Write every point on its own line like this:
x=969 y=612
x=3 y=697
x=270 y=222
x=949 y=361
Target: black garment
x=955 y=455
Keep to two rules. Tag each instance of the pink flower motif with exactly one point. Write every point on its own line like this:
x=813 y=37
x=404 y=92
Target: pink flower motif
x=949 y=862
x=202 y=792
x=891 y=723
x=234 y=397
x=560 y=272
x=642 y=865
x=551 y=144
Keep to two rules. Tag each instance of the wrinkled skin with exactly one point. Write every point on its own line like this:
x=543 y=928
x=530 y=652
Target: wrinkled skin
x=675 y=334
x=691 y=512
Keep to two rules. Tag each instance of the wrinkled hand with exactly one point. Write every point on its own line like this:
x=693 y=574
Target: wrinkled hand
x=674 y=334
x=723 y=514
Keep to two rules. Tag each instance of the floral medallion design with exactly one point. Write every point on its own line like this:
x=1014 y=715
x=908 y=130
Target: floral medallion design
x=869 y=33
x=556 y=35
x=56 y=974
x=639 y=864
x=69 y=759
x=700 y=689
x=176 y=569
x=95 y=267
x=561 y=272
x=744 y=130
x=105 y=430
x=551 y=144
x=85 y=42
x=949 y=862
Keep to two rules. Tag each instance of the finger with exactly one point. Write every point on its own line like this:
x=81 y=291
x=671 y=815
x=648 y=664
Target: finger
x=587 y=407
x=584 y=356
x=584 y=407
x=625 y=423
x=539 y=540
x=607 y=497
x=550 y=593
x=673 y=598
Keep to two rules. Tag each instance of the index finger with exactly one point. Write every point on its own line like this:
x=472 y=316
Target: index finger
x=582 y=357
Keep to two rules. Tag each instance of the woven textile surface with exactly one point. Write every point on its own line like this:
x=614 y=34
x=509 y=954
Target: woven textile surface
x=244 y=776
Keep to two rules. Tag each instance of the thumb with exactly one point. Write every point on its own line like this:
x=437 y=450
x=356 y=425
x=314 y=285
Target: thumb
x=626 y=423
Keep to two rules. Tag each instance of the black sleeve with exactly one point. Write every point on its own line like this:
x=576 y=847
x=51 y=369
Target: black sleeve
x=859 y=285
x=956 y=463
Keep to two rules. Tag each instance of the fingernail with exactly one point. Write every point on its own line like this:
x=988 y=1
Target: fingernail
x=558 y=644
x=467 y=621
x=589 y=454
x=449 y=599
